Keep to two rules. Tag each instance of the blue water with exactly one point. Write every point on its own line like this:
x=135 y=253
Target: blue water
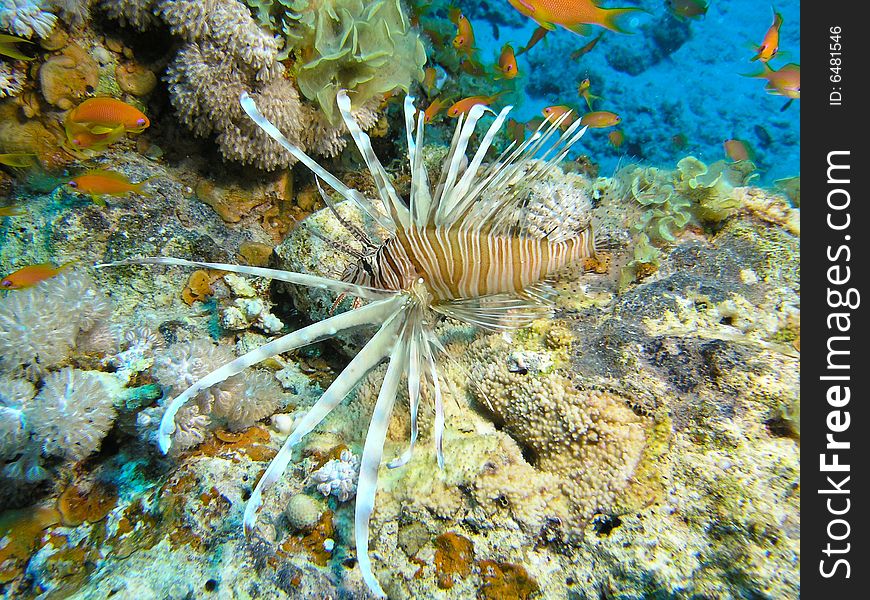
x=670 y=78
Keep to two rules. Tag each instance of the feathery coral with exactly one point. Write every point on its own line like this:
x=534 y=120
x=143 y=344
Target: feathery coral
x=71 y=414
x=11 y=80
x=39 y=326
x=26 y=18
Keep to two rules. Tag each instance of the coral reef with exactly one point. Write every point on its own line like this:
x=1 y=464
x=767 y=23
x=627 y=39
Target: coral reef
x=338 y=476
x=26 y=18
x=226 y=53
x=11 y=80
x=39 y=326
x=71 y=413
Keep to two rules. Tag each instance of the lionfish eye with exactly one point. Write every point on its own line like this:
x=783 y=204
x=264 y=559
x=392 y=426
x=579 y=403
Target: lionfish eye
x=367 y=267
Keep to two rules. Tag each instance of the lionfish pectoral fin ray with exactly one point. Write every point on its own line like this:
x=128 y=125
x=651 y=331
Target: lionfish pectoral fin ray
x=371 y=458
x=377 y=348
x=415 y=371
x=254 y=113
x=333 y=285
x=438 y=425
x=500 y=312
x=371 y=314
x=391 y=201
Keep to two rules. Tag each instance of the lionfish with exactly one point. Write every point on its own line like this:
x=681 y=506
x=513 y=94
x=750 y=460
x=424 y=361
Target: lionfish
x=474 y=248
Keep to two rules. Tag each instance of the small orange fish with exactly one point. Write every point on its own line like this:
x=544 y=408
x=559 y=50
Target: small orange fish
x=507 y=63
x=516 y=131
x=463 y=106
x=535 y=123
x=738 y=150
x=430 y=76
x=600 y=118
x=103 y=115
x=616 y=138
x=537 y=36
x=554 y=113
x=585 y=49
x=464 y=40
x=583 y=90
x=770 y=44
x=10 y=211
x=575 y=15
x=98 y=183
x=433 y=109
x=688 y=9
x=30 y=276
x=81 y=142
x=784 y=82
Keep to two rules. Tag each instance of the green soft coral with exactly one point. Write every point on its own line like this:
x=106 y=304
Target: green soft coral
x=366 y=47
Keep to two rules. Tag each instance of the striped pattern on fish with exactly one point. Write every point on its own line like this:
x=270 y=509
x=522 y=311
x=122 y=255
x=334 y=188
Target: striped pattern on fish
x=457 y=264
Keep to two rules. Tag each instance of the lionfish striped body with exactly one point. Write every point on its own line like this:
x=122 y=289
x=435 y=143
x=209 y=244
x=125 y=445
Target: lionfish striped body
x=456 y=264
x=474 y=247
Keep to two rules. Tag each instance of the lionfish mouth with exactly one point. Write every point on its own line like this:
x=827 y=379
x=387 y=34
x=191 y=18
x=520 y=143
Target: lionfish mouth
x=489 y=202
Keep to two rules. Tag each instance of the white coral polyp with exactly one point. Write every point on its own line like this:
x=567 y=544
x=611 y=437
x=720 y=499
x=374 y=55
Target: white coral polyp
x=26 y=18
x=71 y=414
x=338 y=476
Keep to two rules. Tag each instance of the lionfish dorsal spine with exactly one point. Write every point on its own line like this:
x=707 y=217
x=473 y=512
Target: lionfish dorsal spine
x=250 y=108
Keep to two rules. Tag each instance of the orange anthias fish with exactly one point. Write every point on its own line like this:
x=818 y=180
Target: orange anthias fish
x=30 y=276
x=98 y=183
x=585 y=49
x=507 y=63
x=616 y=138
x=583 y=90
x=537 y=36
x=433 y=109
x=82 y=142
x=770 y=44
x=738 y=150
x=463 y=106
x=464 y=40
x=688 y=9
x=600 y=118
x=680 y=141
x=554 y=113
x=430 y=76
x=575 y=15
x=104 y=115
x=516 y=131
x=785 y=82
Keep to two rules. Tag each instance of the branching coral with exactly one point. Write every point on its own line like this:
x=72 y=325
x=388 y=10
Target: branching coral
x=26 y=18
x=39 y=326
